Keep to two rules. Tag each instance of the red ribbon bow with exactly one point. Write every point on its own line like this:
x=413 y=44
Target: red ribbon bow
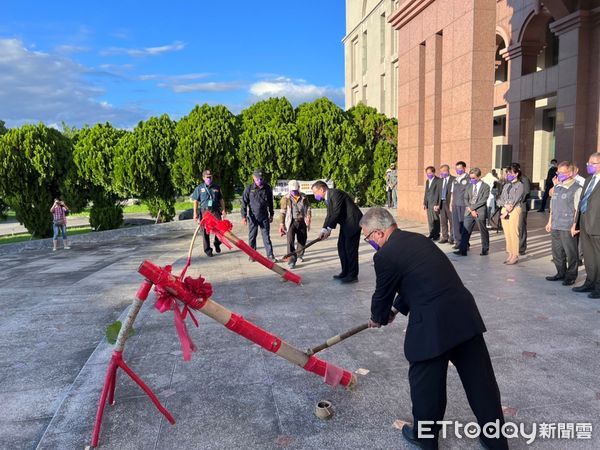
x=165 y=301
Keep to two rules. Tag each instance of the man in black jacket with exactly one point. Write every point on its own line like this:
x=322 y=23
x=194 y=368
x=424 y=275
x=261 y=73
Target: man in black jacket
x=343 y=211
x=548 y=184
x=414 y=276
x=431 y=202
x=257 y=211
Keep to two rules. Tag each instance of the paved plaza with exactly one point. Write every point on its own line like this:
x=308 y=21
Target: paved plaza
x=544 y=341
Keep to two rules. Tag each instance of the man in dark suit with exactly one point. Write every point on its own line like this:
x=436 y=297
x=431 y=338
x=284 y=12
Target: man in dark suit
x=342 y=211
x=414 y=276
x=588 y=224
x=476 y=197
x=548 y=184
x=446 y=181
x=431 y=203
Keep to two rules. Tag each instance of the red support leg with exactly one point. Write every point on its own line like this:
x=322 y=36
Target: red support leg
x=108 y=392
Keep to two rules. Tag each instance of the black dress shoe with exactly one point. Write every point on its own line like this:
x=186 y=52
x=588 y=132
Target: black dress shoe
x=209 y=254
x=594 y=294
x=339 y=276
x=568 y=282
x=483 y=253
x=583 y=288
x=348 y=280
x=409 y=434
x=217 y=247
x=450 y=242
x=459 y=253
x=556 y=277
x=443 y=241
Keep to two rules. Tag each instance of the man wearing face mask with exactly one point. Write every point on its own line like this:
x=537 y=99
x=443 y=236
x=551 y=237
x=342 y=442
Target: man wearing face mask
x=563 y=208
x=445 y=199
x=459 y=186
x=208 y=197
x=476 y=196
x=431 y=203
x=342 y=211
x=257 y=212
x=444 y=325
x=295 y=218
x=588 y=225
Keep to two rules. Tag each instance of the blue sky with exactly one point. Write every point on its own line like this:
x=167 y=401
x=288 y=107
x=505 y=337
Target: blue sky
x=87 y=62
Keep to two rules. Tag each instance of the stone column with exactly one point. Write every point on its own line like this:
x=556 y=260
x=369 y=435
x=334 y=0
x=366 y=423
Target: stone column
x=574 y=36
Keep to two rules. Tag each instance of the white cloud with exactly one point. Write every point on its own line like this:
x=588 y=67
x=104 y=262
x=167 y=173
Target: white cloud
x=146 y=51
x=296 y=91
x=211 y=86
x=38 y=86
x=68 y=49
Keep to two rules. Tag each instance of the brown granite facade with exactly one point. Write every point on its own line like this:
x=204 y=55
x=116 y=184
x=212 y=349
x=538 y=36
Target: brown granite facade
x=474 y=74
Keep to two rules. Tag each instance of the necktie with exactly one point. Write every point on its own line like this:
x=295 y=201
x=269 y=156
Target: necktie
x=586 y=196
x=445 y=189
x=474 y=192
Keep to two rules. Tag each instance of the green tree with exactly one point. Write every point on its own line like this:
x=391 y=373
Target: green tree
x=3 y=129
x=143 y=165
x=377 y=134
x=94 y=156
x=207 y=139
x=269 y=140
x=319 y=132
x=33 y=162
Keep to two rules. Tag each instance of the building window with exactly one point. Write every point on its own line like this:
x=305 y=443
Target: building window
x=364 y=94
x=354 y=59
x=501 y=64
x=382 y=30
x=354 y=96
x=364 y=53
x=382 y=94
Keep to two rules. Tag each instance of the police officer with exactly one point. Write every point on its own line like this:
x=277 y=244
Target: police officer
x=209 y=197
x=257 y=211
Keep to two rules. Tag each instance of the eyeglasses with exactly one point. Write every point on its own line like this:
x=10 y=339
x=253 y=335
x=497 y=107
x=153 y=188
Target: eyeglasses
x=366 y=239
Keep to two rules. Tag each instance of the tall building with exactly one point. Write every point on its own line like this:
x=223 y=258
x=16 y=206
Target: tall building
x=371 y=55
x=490 y=82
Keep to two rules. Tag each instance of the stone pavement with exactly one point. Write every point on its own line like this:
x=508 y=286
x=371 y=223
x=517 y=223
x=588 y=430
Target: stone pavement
x=544 y=341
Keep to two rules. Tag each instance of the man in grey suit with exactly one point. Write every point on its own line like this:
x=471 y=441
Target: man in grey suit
x=459 y=186
x=431 y=203
x=476 y=197
x=446 y=181
x=588 y=224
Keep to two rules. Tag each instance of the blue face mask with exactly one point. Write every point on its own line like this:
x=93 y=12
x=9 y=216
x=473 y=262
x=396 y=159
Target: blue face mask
x=294 y=193
x=318 y=197
x=374 y=244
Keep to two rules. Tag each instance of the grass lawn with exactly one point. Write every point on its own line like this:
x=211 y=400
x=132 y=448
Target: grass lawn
x=22 y=237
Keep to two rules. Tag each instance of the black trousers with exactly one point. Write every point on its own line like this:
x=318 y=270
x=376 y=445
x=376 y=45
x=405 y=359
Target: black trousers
x=265 y=226
x=433 y=219
x=427 y=381
x=206 y=236
x=446 y=221
x=297 y=230
x=468 y=226
x=565 y=254
x=545 y=197
x=523 y=230
x=591 y=256
x=458 y=217
x=348 y=252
